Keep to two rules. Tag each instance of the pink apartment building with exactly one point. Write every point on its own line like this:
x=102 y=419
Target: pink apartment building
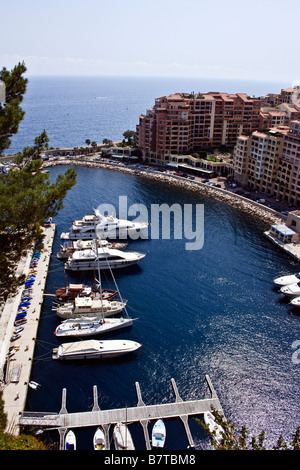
x=182 y=123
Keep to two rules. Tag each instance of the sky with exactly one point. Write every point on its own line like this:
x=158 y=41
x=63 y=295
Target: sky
x=255 y=40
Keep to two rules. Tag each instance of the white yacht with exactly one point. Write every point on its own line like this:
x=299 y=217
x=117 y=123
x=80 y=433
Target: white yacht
x=286 y=280
x=106 y=258
x=94 y=349
x=159 y=434
x=86 y=306
x=70 y=246
x=295 y=301
x=85 y=326
x=122 y=437
x=291 y=290
x=82 y=229
x=213 y=427
x=99 y=439
x=105 y=227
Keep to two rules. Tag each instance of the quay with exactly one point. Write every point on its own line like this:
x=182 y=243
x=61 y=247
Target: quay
x=15 y=371
x=63 y=421
x=291 y=249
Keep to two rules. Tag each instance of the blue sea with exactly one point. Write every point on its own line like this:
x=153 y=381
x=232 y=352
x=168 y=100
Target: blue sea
x=73 y=109
x=209 y=311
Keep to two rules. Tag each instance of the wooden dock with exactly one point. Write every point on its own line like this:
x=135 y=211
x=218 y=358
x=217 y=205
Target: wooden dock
x=141 y=413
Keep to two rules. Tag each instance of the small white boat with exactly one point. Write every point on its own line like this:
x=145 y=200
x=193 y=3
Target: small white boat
x=292 y=290
x=99 y=439
x=122 y=437
x=286 y=280
x=213 y=427
x=34 y=385
x=91 y=326
x=295 y=301
x=86 y=306
x=158 y=434
x=70 y=442
x=94 y=349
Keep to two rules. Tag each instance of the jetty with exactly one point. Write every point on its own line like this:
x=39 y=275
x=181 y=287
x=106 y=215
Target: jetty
x=16 y=370
x=142 y=413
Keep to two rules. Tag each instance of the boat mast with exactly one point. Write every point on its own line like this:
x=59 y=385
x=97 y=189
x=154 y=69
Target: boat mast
x=99 y=271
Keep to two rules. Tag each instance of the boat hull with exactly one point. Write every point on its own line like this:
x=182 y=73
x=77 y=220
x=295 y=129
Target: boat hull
x=103 y=350
x=122 y=437
x=213 y=427
x=137 y=231
x=158 y=434
x=92 y=265
x=70 y=443
x=99 y=439
x=106 y=312
x=83 y=328
x=291 y=290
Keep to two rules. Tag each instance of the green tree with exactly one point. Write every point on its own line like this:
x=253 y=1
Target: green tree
x=130 y=136
x=11 y=113
x=27 y=200
x=107 y=141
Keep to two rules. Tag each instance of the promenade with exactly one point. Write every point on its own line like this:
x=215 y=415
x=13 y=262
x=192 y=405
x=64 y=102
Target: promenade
x=18 y=367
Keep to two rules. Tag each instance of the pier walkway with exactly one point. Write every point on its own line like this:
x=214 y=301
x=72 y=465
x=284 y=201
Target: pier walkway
x=16 y=371
x=142 y=413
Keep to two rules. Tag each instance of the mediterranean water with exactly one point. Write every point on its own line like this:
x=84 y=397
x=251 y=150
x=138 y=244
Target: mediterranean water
x=209 y=311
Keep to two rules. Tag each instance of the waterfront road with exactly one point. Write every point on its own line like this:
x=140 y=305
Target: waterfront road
x=16 y=370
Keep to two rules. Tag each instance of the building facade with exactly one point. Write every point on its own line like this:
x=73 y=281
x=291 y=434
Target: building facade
x=182 y=123
x=270 y=162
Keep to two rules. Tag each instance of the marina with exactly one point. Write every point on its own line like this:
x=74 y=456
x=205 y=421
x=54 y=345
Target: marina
x=64 y=421
x=171 y=345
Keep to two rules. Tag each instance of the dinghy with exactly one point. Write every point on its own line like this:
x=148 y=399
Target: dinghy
x=99 y=439
x=70 y=443
x=34 y=385
x=158 y=434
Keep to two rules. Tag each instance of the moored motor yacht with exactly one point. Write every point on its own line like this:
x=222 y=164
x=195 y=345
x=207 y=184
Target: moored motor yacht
x=86 y=306
x=292 y=290
x=70 y=292
x=94 y=349
x=105 y=227
x=286 y=280
x=82 y=327
x=69 y=247
x=106 y=258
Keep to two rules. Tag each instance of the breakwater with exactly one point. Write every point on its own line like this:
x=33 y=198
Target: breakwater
x=266 y=214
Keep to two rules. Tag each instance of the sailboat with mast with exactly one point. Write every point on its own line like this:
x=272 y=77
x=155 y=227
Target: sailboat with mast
x=89 y=326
